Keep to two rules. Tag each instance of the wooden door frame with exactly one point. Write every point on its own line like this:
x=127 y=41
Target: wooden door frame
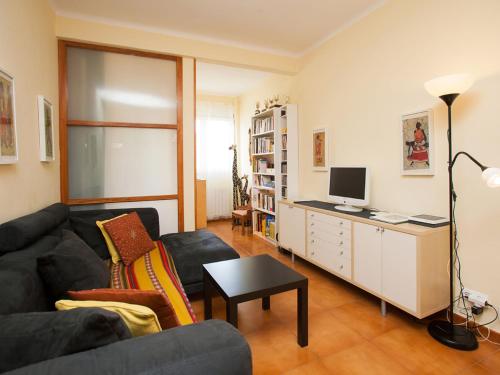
x=64 y=122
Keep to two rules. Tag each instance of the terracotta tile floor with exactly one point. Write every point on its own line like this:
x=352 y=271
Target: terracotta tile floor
x=347 y=334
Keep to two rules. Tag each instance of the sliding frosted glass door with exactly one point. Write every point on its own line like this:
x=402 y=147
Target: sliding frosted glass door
x=121 y=129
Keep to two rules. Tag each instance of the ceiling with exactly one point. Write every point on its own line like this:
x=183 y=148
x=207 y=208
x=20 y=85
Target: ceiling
x=289 y=27
x=224 y=80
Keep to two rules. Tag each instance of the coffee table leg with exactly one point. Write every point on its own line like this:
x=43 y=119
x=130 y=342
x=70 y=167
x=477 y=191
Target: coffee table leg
x=207 y=296
x=302 y=316
x=232 y=313
x=266 y=303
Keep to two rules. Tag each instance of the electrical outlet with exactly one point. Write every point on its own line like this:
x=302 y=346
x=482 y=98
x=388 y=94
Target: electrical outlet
x=476 y=298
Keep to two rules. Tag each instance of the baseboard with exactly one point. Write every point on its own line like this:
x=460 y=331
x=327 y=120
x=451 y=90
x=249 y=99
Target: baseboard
x=494 y=335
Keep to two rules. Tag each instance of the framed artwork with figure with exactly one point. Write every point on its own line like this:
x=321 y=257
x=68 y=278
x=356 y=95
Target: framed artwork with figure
x=320 y=150
x=46 y=125
x=8 y=135
x=417 y=146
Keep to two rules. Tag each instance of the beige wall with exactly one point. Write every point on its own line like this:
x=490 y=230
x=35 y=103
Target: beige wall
x=29 y=53
x=360 y=83
x=277 y=84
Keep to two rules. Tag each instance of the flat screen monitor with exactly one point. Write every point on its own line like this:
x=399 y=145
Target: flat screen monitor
x=349 y=186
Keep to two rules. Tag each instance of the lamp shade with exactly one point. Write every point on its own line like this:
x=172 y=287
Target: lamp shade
x=492 y=177
x=451 y=84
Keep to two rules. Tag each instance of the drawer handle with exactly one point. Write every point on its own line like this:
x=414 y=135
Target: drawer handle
x=312 y=241
x=341 y=223
x=341 y=253
x=341 y=266
x=312 y=253
x=341 y=243
x=312 y=224
x=382 y=230
x=312 y=215
x=341 y=233
x=312 y=232
x=378 y=229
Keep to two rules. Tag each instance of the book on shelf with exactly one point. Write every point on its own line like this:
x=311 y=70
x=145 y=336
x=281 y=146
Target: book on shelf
x=284 y=180
x=284 y=192
x=284 y=168
x=284 y=141
x=284 y=156
x=265 y=181
x=262 y=166
x=264 y=201
x=263 y=125
x=265 y=224
x=263 y=145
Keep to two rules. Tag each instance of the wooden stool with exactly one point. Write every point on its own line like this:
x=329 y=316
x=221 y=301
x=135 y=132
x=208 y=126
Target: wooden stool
x=242 y=216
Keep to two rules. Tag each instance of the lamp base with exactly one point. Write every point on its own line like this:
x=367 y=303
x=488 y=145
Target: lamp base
x=457 y=337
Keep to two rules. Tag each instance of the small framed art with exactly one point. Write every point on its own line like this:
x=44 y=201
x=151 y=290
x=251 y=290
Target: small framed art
x=46 y=126
x=320 y=149
x=8 y=135
x=417 y=144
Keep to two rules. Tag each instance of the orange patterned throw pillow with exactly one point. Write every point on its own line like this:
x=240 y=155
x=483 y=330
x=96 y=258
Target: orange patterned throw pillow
x=129 y=237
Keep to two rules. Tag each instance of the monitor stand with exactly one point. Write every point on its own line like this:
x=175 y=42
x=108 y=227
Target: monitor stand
x=348 y=208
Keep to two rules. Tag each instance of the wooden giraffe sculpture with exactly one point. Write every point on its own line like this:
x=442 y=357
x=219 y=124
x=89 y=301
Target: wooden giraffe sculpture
x=236 y=180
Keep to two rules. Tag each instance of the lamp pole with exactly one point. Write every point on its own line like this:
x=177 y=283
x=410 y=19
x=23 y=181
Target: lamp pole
x=449 y=99
x=446 y=332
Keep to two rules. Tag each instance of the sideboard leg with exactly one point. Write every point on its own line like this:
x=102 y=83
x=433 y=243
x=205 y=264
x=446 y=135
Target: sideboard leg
x=383 y=308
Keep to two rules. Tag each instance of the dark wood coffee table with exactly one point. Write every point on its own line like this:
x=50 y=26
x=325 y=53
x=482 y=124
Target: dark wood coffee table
x=245 y=279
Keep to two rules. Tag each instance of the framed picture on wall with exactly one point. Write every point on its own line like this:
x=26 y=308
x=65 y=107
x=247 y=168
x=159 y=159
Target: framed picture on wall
x=417 y=144
x=46 y=127
x=320 y=150
x=8 y=135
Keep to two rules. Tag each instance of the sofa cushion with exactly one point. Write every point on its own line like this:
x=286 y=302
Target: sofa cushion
x=33 y=337
x=87 y=230
x=140 y=320
x=23 y=231
x=21 y=287
x=149 y=217
x=129 y=237
x=110 y=246
x=190 y=250
x=153 y=299
x=72 y=265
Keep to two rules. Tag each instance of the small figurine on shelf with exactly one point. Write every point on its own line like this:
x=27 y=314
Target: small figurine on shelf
x=266 y=105
x=257 y=106
x=276 y=100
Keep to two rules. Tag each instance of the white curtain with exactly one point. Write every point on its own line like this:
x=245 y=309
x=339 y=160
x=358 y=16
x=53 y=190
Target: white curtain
x=214 y=160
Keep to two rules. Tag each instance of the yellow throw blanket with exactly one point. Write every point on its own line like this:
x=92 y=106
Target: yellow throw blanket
x=155 y=271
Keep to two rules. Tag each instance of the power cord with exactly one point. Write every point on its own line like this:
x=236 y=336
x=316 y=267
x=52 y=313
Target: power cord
x=458 y=269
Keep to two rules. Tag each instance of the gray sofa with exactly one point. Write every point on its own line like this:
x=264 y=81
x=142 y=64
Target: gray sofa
x=210 y=347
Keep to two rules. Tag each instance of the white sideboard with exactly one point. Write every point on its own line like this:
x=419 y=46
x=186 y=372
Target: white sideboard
x=404 y=264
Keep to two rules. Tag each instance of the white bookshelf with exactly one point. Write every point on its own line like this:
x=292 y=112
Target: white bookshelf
x=274 y=167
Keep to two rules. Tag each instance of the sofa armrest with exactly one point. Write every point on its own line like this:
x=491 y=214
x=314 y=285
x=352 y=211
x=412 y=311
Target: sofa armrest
x=149 y=217
x=210 y=347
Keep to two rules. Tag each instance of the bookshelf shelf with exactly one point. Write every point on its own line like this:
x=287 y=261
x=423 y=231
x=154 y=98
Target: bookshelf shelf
x=264 y=188
x=274 y=151
x=265 y=211
x=270 y=132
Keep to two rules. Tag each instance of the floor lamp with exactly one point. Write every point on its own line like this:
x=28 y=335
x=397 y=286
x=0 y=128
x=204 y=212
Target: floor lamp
x=448 y=88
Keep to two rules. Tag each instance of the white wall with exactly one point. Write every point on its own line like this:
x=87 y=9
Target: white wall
x=363 y=80
x=29 y=53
